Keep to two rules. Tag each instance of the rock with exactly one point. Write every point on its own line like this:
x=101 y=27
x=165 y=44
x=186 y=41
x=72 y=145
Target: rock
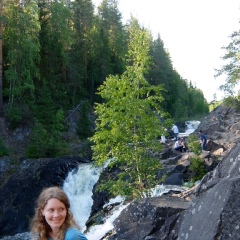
x=213 y=211
x=19 y=193
x=5 y=167
x=174 y=179
x=146 y=216
x=209 y=211
x=212 y=214
x=218 y=152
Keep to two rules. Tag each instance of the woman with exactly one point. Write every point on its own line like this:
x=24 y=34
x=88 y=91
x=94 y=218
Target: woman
x=179 y=145
x=53 y=219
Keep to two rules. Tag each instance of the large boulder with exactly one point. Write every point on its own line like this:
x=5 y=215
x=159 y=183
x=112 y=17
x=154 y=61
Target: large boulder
x=215 y=212
x=221 y=127
x=146 y=216
x=20 y=191
x=212 y=213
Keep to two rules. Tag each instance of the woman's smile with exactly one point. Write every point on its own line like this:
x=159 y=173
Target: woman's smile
x=55 y=213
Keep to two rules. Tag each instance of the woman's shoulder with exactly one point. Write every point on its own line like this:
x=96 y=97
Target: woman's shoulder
x=74 y=234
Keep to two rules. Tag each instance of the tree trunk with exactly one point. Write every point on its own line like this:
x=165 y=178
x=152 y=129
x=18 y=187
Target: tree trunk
x=1 y=60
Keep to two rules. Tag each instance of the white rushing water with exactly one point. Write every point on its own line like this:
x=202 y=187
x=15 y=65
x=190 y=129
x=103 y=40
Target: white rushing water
x=191 y=126
x=79 y=185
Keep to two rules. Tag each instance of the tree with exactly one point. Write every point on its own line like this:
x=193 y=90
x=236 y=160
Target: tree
x=231 y=68
x=21 y=50
x=106 y=47
x=55 y=38
x=1 y=58
x=128 y=122
x=162 y=73
x=112 y=33
x=80 y=53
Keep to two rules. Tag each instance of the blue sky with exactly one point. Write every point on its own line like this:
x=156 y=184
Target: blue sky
x=193 y=32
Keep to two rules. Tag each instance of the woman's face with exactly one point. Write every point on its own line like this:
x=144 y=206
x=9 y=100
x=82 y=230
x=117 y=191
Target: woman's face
x=55 y=213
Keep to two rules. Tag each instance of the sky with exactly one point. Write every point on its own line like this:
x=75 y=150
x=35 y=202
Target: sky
x=193 y=32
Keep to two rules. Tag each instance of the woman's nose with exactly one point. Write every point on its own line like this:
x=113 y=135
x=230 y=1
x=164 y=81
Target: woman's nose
x=56 y=214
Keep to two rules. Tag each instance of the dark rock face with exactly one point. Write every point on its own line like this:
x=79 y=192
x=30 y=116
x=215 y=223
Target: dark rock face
x=222 y=128
x=211 y=211
x=213 y=214
x=146 y=216
x=19 y=193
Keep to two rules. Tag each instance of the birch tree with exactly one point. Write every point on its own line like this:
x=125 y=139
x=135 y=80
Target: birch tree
x=128 y=122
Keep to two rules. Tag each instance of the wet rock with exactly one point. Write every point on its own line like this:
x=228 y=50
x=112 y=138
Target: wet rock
x=20 y=191
x=146 y=216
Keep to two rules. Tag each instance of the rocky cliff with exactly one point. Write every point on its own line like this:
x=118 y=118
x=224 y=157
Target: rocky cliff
x=211 y=211
x=208 y=211
x=20 y=190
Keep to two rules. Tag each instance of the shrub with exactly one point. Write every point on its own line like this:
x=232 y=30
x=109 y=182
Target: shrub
x=194 y=144
x=197 y=168
x=3 y=149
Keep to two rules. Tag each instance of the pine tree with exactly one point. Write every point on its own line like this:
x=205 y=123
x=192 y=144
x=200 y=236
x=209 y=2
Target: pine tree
x=21 y=55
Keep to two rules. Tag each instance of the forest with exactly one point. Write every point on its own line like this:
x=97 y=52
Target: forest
x=54 y=57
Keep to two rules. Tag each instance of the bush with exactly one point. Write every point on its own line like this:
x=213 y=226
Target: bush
x=194 y=144
x=16 y=114
x=84 y=124
x=3 y=150
x=47 y=141
x=197 y=168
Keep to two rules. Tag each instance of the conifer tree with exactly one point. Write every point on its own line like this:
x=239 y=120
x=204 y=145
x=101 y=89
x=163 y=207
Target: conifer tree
x=55 y=38
x=81 y=50
x=21 y=55
x=1 y=57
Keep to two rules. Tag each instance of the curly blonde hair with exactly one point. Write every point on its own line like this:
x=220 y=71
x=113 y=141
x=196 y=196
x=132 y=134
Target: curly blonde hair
x=39 y=227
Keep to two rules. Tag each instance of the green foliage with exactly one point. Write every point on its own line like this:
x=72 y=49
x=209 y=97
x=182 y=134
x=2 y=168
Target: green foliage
x=128 y=122
x=16 y=114
x=84 y=124
x=46 y=141
x=196 y=163
x=233 y=101
x=3 y=149
x=21 y=55
x=55 y=38
x=215 y=104
x=83 y=70
x=57 y=53
x=231 y=69
x=194 y=144
x=197 y=167
x=181 y=99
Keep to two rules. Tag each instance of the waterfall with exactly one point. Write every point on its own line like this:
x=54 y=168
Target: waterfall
x=78 y=186
x=191 y=125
